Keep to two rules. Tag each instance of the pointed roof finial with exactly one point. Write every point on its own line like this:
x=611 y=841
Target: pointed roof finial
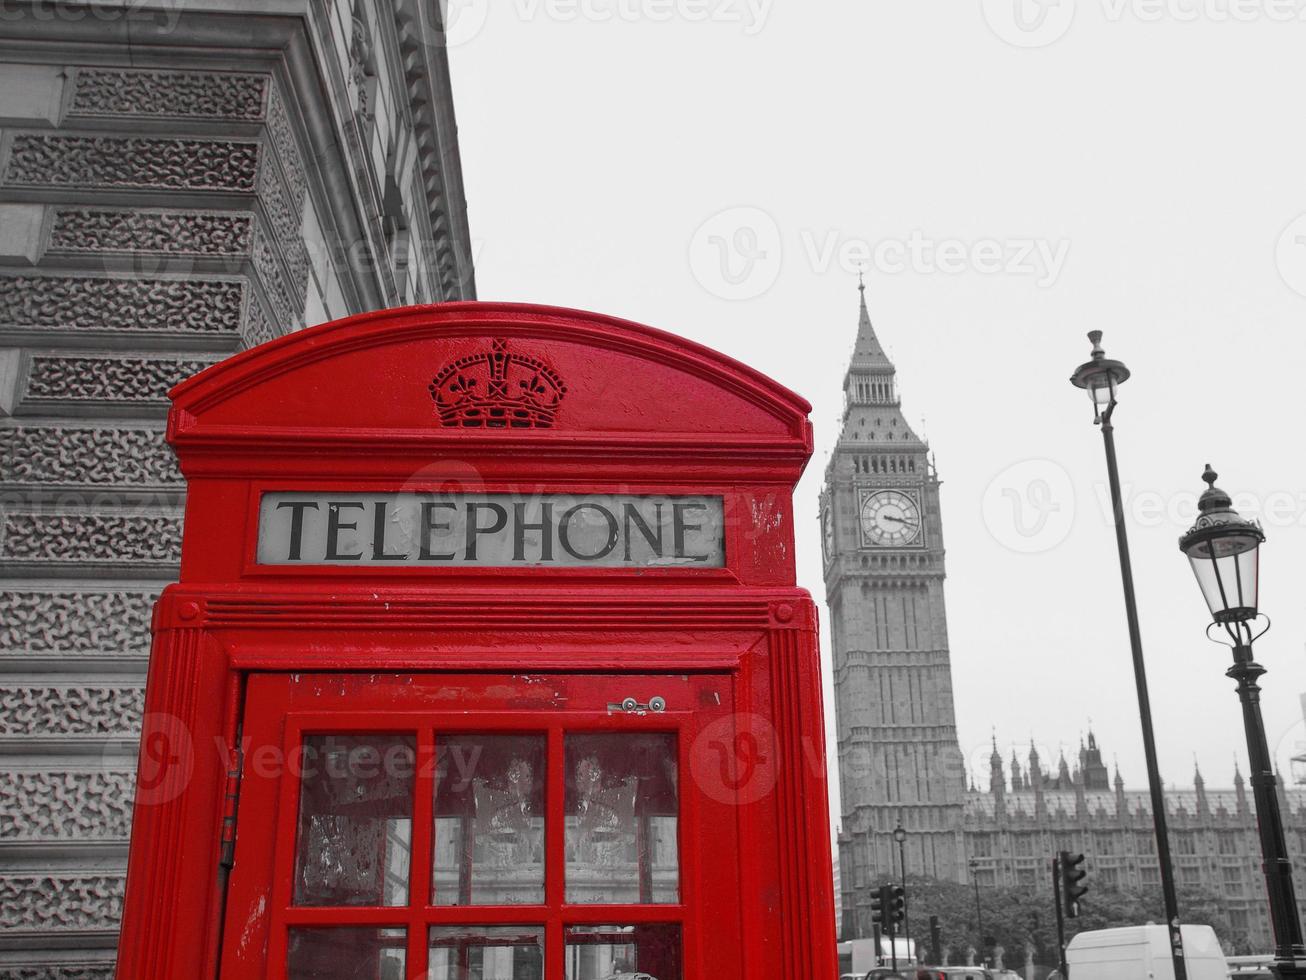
x=868 y=352
x=861 y=281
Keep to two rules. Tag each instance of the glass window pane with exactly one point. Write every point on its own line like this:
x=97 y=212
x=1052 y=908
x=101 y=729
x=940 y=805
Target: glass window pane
x=354 y=953
x=489 y=820
x=486 y=953
x=622 y=818
x=647 y=952
x=355 y=820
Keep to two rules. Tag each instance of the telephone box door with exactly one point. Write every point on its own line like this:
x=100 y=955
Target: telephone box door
x=515 y=827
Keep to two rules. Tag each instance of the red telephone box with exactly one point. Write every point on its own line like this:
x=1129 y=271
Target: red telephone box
x=486 y=661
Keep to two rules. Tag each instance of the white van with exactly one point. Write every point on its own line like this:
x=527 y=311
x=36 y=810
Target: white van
x=1143 y=953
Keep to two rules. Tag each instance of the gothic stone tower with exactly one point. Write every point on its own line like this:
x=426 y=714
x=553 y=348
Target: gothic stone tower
x=883 y=547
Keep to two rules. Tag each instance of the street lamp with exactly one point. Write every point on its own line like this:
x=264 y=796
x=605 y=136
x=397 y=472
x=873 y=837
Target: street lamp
x=1224 y=550
x=900 y=835
x=974 y=877
x=1101 y=377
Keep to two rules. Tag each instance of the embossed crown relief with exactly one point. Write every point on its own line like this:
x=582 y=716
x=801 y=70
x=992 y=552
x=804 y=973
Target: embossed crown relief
x=497 y=389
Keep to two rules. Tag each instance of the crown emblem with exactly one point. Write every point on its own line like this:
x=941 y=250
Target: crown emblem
x=497 y=389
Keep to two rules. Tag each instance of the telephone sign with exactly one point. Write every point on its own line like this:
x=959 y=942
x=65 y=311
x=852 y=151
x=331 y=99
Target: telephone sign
x=490 y=530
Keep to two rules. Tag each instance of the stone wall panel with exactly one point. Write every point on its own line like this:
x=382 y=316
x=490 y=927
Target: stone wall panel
x=79 y=624
x=115 y=92
x=83 y=711
x=59 y=806
x=105 y=378
x=199 y=306
x=55 y=160
x=45 y=903
x=56 y=455
x=201 y=233
x=91 y=538
x=57 y=971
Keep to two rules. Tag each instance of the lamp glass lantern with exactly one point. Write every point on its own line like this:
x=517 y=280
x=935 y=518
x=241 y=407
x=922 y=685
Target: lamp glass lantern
x=1101 y=378
x=899 y=834
x=1224 y=550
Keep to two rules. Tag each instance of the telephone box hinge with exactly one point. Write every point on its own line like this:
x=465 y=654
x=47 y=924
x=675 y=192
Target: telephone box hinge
x=230 y=805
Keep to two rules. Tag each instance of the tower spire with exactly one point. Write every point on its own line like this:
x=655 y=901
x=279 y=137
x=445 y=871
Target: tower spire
x=868 y=353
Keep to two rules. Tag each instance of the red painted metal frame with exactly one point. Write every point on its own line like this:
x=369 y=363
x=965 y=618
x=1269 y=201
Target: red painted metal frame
x=707 y=866
x=346 y=404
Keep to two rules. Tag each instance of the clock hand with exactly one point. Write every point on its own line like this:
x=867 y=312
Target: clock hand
x=899 y=520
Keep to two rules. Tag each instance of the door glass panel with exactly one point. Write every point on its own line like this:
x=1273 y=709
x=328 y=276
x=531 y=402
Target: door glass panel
x=622 y=818
x=602 y=952
x=355 y=820
x=489 y=820
x=486 y=953
x=353 y=953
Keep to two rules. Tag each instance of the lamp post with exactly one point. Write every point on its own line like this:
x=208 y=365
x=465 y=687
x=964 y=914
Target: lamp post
x=900 y=835
x=1101 y=378
x=1224 y=550
x=974 y=877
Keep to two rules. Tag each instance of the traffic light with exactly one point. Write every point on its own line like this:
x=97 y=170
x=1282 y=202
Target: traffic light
x=880 y=906
x=1071 y=876
x=897 y=904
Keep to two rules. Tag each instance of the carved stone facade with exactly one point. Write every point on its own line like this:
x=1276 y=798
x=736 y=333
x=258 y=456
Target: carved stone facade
x=1028 y=813
x=176 y=184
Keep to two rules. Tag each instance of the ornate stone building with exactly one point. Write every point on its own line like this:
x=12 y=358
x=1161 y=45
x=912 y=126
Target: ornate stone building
x=177 y=182
x=1028 y=814
x=897 y=741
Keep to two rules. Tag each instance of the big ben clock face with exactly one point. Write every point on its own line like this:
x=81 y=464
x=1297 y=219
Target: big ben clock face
x=890 y=519
x=827 y=534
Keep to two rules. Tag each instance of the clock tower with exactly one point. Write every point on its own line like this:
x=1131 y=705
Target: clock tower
x=882 y=543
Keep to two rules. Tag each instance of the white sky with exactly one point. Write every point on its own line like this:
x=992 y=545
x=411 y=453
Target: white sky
x=1157 y=149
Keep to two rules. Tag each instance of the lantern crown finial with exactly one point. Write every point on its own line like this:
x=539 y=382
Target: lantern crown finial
x=1095 y=338
x=1213 y=499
